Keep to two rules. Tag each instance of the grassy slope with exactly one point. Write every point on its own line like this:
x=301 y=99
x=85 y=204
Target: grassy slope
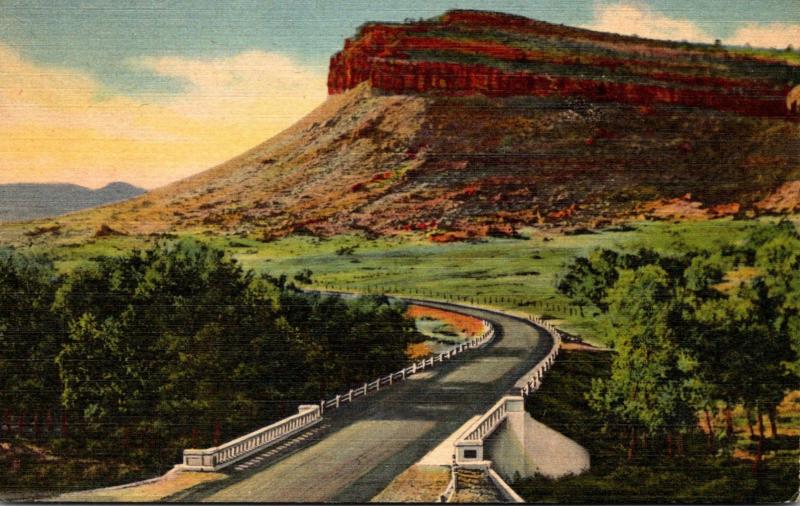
x=514 y=274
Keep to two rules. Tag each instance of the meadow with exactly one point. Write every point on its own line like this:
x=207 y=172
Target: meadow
x=517 y=274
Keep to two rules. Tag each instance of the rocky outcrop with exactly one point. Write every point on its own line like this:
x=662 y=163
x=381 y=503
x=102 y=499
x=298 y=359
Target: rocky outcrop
x=456 y=168
x=424 y=58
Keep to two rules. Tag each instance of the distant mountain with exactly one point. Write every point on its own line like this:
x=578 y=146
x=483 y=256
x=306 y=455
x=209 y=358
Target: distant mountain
x=25 y=201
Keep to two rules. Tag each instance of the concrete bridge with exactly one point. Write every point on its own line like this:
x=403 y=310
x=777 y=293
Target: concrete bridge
x=356 y=451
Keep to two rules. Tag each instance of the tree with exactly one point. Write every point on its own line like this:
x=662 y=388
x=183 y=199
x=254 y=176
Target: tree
x=720 y=341
x=649 y=382
x=699 y=330
x=104 y=288
x=703 y=272
x=764 y=233
x=381 y=334
x=707 y=338
x=779 y=289
x=30 y=334
x=99 y=380
x=196 y=341
x=587 y=279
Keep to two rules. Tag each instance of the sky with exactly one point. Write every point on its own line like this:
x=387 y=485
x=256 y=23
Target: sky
x=150 y=92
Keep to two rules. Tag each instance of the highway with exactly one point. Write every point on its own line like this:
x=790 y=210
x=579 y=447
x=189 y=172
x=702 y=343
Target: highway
x=360 y=448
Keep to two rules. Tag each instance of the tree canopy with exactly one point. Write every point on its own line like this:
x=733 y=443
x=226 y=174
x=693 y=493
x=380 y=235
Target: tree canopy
x=179 y=342
x=695 y=331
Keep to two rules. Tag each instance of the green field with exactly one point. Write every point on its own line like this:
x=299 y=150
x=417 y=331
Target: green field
x=516 y=274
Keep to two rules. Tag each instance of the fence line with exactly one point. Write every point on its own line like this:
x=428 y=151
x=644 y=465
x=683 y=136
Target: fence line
x=519 y=300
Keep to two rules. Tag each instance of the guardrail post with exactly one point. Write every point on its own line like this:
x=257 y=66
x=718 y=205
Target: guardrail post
x=391 y=378
x=350 y=395
x=321 y=406
x=337 y=400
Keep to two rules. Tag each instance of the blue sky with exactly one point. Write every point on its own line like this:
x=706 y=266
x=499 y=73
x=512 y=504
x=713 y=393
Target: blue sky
x=105 y=71
x=100 y=36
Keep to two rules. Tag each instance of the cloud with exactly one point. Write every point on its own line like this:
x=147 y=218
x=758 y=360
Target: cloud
x=777 y=35
x=61 y=125
x=232 y=86
x=634 y=18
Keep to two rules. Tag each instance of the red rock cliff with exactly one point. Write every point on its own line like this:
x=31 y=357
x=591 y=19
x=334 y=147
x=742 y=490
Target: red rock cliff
x=444 y=57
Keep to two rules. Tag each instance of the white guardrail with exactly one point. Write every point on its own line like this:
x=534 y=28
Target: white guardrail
x=484 y=338
x=533 y=379
x=213 y=459
x=469 y=446
x=216 y=458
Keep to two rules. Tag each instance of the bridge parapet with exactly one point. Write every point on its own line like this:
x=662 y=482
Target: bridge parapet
x=216 y=458
x=469 y=446
x=476 y=342
x=532 y=380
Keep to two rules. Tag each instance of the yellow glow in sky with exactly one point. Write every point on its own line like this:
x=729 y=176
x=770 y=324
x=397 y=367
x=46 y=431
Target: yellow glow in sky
x=57 y=125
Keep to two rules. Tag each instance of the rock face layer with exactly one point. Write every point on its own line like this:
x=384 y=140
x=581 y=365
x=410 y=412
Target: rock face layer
x=498 y=55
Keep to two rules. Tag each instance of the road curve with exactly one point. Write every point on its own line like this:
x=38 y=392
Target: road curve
x=365 y=445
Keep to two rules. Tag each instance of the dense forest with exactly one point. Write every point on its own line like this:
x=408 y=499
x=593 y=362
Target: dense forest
x=695 y=336
x=139 y=356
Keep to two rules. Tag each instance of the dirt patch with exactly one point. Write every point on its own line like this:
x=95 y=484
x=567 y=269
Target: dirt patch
x=581 y=347
x=736 y=277
x=683 y=208
x=416 y=484
x=168 y=485
x=466 y=324
x=785 y=199
x=417 y=351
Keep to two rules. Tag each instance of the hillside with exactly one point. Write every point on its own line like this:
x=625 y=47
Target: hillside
x=426 y=130
x=27 y=201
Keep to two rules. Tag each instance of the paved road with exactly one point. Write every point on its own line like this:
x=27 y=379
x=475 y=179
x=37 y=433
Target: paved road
x=362 y=447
